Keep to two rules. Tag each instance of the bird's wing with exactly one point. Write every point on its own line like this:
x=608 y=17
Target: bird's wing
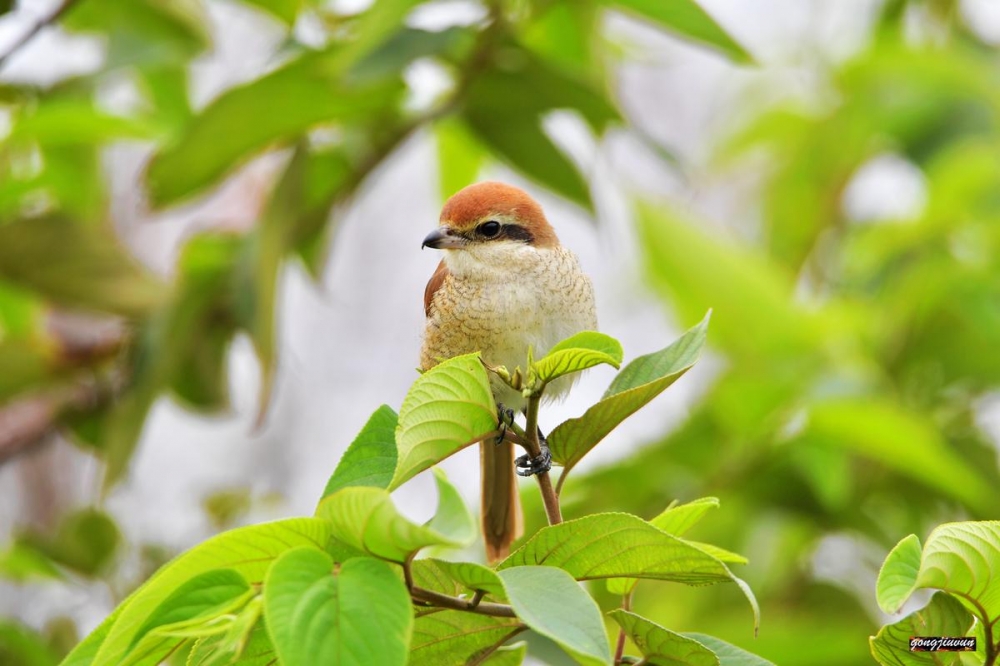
x=433 y=285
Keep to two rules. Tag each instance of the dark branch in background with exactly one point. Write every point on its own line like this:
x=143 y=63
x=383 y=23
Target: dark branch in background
x=42 y=23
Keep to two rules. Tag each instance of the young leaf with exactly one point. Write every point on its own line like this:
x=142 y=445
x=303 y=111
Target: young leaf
x=639 y=382
x=370 y=460
x=247 y=550
x=457 y=638
x=448 y=408
x=578 y=352
x=687 y=19
x=455 y=577
x=549 y=601
x=359 y=613
x=245 y=641
x=452 y=518
x=943 y=616
x=898 y=576
x=662 y=647
x=728 y=654
x=619 y=545
x=366 y=519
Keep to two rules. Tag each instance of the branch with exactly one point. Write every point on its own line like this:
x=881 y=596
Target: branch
x=43 y=22
x=534 y=447
x=473 y=605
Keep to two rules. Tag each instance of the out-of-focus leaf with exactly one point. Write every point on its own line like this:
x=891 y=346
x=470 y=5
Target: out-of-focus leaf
x=20 y=311
x=453 y=638
x=76 y=265
x=563 y=34
x=549 y=601
x=75 y=122
x=959 y=558
x=578 y=352
x=284 y=10
x=248 y=550
x=274 y=109
x=370 y=460
x=144 y=32
x=19 y=646
x=410 y=44
x=460 y=156
x=448 y=408
x=639 y=382
x=366 y=519
x=452 y=517
x=85 y=541
x=21 y=562
x=687 y=19
x=662 y=647
x=25 y=365
x=902 y=441
x=167 y=88
x=728 y=654
x=319 y=614
x=6 y=6
x=943 y=616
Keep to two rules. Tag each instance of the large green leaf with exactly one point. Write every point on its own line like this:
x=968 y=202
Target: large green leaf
x=578 y=352
x=366 y=519
x=959 y=558
x=728 y=654
x=549 y=601
x=247 y=550
x=457 y=638
x=944 y=616
x=277 y=108
x=662 y=647
x=84 y=266
x=370 y=460
x=639 y=382
x=356 y=613
x=687 y=19
x=448 y=408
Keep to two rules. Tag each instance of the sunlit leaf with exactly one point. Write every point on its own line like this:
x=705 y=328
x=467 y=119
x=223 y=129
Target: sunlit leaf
x=448 y=408
x=662 y=647
x=578 y=352
x=549 y=601
x=454 y=638
x=320 y=614
x=246 y=642
x=638 y=382
x=452 y=518
x=728 y=654
x=370 y=460
x=687 y=19
x=944 y=616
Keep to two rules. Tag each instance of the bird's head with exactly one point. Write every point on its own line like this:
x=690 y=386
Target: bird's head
x=489 y=217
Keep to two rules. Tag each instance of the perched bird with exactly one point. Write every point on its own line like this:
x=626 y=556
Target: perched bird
x=505 y=285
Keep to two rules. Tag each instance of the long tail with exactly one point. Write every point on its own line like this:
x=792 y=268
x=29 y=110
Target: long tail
x=501 y=508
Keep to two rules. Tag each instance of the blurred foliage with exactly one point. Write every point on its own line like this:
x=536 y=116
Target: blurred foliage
x=859 y=354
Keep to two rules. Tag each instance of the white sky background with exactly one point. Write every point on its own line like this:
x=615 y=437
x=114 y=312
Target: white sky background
x=351 y=343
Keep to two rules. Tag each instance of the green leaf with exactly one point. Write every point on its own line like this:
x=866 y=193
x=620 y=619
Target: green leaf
x=247 y=550
x=359 y=613
x=367 y=520
x=84 y=267
x=19 y=646
x=284 y=10
x=687 y=19
x=508 y=655
x=276 y=108
x=943 y=616
x=728 y=654
x=662 y=647
x=639 y=382
x=245 y=641
x=578 y=352
x=898 y=576
x=457 y=638
x=455 y=578
x=619 y=545
x=6 y=6
x=86 y=650
x=460 y=156
x=549 y=601
x=448 y=408
x=408 y=44
x=370 y=460
x=21 y=562
x=452 y=518
x=85 y=541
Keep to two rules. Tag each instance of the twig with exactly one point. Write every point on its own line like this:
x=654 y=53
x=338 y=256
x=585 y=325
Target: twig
x=549 y=497
x=43 y=22
x=456 y=603
x=620 y=646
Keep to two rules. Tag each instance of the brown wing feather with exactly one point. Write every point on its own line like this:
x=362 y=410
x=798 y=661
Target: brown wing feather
x=433 y=285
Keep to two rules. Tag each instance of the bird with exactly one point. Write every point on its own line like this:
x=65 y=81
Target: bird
x=505 y=286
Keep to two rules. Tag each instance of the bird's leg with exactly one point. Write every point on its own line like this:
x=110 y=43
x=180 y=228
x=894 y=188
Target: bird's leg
x=506 y=418
x=527 y=466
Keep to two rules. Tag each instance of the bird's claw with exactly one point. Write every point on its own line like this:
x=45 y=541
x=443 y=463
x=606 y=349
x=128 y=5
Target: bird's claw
x=527 y=466
x=506 y=418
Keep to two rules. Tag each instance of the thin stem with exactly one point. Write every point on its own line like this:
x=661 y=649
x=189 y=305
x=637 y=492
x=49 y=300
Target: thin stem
x=36 y=28
x=620 y=646
x=456 y=603
x=534 y=447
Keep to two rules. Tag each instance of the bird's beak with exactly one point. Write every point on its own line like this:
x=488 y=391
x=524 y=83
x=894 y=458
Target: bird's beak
x=443 y=238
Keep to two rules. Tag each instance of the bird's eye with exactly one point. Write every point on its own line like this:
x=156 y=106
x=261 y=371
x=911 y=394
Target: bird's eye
x=489 y=229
